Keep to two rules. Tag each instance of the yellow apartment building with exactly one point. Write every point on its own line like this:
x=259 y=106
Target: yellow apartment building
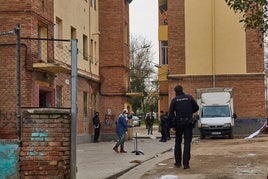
x=203 y=45
x=80 y=20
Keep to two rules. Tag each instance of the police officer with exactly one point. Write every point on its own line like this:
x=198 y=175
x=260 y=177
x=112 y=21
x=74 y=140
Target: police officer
x=181 y=112
x=164 y=126
x=97 y=125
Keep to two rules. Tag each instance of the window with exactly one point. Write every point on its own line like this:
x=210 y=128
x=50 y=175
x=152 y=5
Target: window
x=73 y=33
x=95 y=5
x=42 y=99
x=45 y=98
x=85 y=96
x=42 y=44
x=95 y=53
x=215 y=111
x=126 y=33
x=164 y=52
x=93 y=103
x=91 y=51
x=85 y=47
x=58 y=31
x=58 y=96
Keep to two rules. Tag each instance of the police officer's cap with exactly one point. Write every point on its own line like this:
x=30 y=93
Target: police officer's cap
x=178 y=89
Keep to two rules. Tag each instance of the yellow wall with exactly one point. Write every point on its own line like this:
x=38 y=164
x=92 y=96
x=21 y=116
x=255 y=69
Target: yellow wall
x=215 y=40
x=85 y=20
x=163 y=33
x=162 y=73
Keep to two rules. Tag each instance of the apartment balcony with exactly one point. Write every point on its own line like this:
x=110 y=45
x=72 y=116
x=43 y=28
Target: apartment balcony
x=55 y=67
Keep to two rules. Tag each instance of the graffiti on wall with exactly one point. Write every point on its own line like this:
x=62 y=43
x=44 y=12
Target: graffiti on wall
x=8 y=119
x=109 y=120
x=41 y=137
x=9 y=155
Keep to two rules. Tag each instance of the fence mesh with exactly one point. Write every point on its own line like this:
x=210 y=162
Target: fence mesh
x=51 y=63
x=45 y=78
x=8 y=86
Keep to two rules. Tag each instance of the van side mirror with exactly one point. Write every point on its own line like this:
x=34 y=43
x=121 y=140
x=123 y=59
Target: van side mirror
x=234 y=116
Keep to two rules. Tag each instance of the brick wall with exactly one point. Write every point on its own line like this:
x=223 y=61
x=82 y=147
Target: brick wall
x=254 y=52
x=45 y=150
x=176 y=37
x=114 y=64
x=25 y=13
x=248 y=90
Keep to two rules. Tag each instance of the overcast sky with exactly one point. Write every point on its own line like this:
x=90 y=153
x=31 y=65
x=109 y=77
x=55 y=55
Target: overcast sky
x=144 y=21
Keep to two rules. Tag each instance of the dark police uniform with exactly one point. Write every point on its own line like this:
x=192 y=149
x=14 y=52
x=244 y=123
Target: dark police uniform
x=181 y=112
x=164 y=127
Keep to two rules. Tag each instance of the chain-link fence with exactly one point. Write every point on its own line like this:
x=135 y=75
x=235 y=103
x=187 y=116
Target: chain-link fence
x=42 y=78
x=8 y=85
x=51 y=71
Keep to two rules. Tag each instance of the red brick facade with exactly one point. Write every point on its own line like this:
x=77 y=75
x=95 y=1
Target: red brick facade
x=45 y=151
x=249 y=88
x=114 y=64
x=30 y=14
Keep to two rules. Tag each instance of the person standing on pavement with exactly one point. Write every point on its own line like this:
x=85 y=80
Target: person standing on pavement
x=97 y=125
x=150 y=122
x=181 y=112
x=164 y=127
x=121 y=129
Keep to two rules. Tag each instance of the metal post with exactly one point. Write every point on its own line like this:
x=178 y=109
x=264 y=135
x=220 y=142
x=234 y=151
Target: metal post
x=74 y=108
x=17 y=31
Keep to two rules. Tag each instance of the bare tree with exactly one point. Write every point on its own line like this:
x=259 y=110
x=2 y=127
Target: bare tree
x=141 y=56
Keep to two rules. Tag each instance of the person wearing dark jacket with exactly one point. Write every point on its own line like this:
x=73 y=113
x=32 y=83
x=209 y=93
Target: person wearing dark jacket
x=181 y=112
x=164 y=127
x=150 y=122
x=121 y=129
x=97 y=125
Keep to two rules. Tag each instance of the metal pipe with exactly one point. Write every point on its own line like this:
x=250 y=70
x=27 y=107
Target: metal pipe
x=74 y=108
x=213 y=44
x=17 y=31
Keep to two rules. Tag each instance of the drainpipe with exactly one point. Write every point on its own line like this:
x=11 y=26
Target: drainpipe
x=17 y=31
x=213 y=43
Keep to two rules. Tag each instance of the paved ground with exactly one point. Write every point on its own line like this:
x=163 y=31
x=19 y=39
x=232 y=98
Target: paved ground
x=99 y=161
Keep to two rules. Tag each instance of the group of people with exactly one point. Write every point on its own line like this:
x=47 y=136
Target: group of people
x=179 y=119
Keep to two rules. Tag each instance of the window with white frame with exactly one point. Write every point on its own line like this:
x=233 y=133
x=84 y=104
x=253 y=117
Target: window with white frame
x=164 y=52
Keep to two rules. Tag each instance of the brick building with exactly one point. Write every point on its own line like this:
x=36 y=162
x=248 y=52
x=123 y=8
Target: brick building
x=114 y=65
x=102 y=30
x=203 y=45
x=35 y=19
